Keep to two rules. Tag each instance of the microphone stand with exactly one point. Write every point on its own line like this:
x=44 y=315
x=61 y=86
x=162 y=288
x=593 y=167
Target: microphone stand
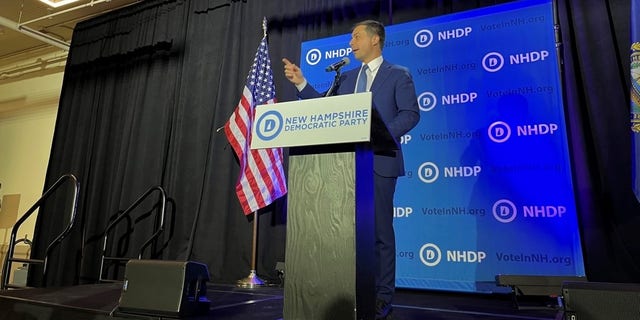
x=333 y=85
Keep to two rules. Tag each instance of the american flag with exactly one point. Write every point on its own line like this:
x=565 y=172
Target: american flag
x=262 y=179
x=635 y=97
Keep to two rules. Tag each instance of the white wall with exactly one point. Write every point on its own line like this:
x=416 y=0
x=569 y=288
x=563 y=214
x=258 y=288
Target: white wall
x=28 y=111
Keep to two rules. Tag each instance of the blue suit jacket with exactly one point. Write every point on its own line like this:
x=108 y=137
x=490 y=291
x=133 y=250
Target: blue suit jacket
x=394 y=97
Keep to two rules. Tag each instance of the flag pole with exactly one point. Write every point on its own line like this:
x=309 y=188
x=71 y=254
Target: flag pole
x=252 y=280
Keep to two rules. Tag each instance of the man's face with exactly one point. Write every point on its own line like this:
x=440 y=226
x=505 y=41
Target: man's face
x=365 y=46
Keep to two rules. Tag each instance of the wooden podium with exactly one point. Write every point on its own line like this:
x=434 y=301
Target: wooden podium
x=330 y=258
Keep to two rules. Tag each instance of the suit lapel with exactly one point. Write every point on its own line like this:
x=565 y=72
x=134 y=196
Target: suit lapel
x=351 y=76
x=381 y=76
x=349 y=82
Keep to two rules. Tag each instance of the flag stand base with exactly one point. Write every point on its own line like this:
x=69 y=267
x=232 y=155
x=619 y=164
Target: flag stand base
x=251 y=281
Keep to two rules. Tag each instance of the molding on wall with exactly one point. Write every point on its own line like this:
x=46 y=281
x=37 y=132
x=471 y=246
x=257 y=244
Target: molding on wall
x=26 y=106
x=35 y=93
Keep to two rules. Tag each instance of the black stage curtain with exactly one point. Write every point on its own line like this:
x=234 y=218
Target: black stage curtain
x=596 y=47
x=146 y=88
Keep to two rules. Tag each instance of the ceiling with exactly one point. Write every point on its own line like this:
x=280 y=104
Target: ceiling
x=30 y=28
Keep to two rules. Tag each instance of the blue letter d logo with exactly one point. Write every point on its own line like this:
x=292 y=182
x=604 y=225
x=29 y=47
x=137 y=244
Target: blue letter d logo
x=269 y=125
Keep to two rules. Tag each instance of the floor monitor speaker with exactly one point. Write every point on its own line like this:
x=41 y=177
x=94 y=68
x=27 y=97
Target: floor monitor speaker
x=165 y=288
x=601 y=301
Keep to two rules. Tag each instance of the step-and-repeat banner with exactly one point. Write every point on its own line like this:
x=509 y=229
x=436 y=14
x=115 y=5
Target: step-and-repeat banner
x=488 y=188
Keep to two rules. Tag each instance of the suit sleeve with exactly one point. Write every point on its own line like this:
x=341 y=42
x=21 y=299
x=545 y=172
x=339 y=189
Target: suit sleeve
x=308 y=92
x=408 y=113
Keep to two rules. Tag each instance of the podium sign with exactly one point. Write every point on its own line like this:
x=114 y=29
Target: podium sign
x=330 y=120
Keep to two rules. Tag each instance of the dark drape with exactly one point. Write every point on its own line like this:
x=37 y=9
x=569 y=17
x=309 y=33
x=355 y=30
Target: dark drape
x=146 y=88
x=596 y=46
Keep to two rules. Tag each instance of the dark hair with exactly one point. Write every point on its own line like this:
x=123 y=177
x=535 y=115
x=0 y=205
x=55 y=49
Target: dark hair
x=373 y=27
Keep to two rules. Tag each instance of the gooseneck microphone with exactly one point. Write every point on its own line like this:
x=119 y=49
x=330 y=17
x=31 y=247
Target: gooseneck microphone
x=337 y=65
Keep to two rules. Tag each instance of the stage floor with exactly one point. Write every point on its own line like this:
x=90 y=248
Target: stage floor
x=265 y=303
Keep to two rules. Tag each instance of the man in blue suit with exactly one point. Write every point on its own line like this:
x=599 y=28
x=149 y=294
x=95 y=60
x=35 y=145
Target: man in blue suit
x=394 y=98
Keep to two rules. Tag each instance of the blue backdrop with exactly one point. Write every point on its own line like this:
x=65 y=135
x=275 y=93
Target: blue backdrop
x=488 y=188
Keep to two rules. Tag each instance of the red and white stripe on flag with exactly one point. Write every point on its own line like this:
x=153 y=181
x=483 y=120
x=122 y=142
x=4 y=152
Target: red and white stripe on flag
x=262 y=178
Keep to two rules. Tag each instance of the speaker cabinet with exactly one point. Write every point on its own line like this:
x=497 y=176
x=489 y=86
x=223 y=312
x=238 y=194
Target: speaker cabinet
x=165 y=288
x=601 y=301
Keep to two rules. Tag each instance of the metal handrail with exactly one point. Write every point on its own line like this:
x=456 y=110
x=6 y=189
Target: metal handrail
x=126 y=213
x=12 y=241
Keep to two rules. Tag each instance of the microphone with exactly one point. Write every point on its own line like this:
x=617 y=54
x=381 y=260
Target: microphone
x=337 y=65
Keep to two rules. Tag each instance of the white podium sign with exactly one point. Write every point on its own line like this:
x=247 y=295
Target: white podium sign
x=330 y=120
